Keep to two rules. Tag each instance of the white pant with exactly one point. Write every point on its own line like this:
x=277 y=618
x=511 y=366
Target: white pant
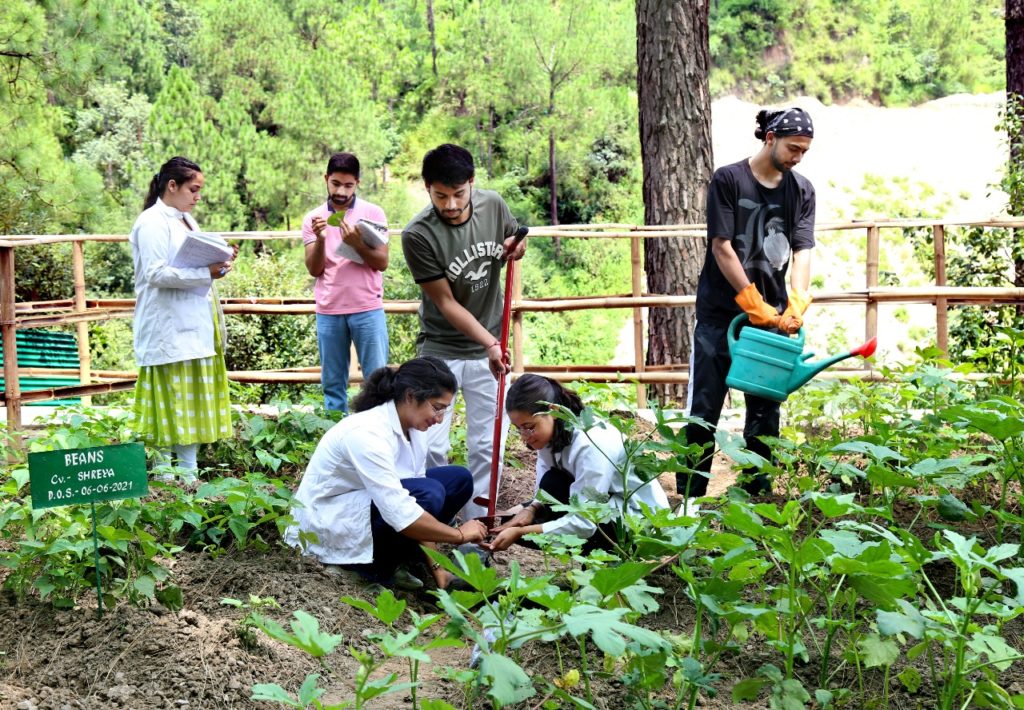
x=480 y=390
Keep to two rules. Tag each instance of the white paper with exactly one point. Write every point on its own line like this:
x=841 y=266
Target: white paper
x=373 y=233
x=201 y=249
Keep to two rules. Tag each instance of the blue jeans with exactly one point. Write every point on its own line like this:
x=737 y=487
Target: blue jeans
x=442 y=493
x=334 y=336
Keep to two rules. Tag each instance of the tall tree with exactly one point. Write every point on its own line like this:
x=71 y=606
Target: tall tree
x=675 y=141
x=1015 y=107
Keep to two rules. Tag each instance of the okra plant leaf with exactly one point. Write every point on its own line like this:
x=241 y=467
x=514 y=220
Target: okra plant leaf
x=994 y=647
x=907 y=621
x=952 y=508
x=610 y=580
x=877 y=652
x=274 y=693
x=911 y=679
x=508 y=683
x=608 y=630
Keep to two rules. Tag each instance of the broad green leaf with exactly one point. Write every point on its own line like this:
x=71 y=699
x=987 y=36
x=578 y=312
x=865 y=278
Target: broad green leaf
x=908 y=621
x=995 y=648
x=789 y=695
x=171 y=597
x=276 y=694
x=608 y=630
x=874 y=451
x=507 y=682
x=952 y=508
x=145 y=585
x=310 y=691
x=748 y=689
x=878 y=652
x=610 y=580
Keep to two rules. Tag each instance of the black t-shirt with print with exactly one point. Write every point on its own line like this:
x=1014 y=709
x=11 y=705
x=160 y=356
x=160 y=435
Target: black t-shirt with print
x=765 y=226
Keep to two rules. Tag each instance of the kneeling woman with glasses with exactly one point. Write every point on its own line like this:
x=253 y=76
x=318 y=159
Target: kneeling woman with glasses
x=570 y=463
x=367 y=495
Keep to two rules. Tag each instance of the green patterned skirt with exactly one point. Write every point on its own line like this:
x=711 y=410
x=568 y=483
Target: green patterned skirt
x=184 y=402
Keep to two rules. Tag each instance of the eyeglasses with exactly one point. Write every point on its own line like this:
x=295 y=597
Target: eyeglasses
x=439 y=408
x=526 y=428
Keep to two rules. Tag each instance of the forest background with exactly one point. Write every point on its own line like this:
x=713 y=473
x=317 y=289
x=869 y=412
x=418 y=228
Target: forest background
x=96 y=95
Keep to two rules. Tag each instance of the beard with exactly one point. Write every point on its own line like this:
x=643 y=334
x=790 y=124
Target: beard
x=341 y=200
x=778 y=164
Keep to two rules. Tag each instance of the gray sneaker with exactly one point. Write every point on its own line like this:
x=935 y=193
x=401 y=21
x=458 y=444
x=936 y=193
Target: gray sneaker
x=404 y=579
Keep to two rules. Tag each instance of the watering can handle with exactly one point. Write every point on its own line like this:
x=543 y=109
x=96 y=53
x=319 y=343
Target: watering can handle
x=732 y=338
x=733 y=329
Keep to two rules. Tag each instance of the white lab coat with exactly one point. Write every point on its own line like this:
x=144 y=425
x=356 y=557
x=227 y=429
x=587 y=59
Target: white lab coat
x=172 y=322
x=593 y=465
x=359 y=461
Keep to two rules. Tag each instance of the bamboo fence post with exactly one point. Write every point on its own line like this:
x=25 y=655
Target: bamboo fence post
x=8 y=333
x=635 y=245
x=82 y=327
x=941 y=305
x=871 y=282
x=517 y=320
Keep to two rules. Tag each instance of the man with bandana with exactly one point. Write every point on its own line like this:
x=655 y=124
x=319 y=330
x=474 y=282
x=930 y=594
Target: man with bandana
x=349 y=290
x=455 y=248
x=760 y=219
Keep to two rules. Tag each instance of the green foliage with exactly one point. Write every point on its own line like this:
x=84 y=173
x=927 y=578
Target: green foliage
x=896 y=52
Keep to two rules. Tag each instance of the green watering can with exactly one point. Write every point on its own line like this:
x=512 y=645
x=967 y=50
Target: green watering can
x=774 y=366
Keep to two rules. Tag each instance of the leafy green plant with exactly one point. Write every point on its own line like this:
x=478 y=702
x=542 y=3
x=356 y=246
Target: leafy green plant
x=247 y=624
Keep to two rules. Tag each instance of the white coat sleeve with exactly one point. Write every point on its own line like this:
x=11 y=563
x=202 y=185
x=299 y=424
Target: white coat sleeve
x=593 y=471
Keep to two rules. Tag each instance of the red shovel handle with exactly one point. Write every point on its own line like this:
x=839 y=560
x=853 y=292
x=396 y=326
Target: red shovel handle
x=503 y=342
x=867 y=349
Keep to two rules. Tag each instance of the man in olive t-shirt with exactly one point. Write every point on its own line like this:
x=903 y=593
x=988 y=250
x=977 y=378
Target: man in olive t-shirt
x=456 y=248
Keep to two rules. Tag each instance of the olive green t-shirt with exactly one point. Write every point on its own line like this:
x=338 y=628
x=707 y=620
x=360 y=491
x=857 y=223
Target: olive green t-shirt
x=469 y=256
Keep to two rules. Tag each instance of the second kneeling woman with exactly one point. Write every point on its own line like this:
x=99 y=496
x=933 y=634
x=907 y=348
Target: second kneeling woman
x=367 y=495
x=570 y=463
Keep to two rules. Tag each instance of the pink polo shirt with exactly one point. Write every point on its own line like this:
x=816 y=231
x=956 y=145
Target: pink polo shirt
x=346 y=286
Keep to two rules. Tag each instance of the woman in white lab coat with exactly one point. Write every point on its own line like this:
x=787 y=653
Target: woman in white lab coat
x=367 y=499
x=570 y=463
x=181 y=395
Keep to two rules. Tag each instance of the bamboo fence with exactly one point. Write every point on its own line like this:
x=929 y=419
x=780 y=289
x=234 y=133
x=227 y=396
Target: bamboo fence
x=80 y=311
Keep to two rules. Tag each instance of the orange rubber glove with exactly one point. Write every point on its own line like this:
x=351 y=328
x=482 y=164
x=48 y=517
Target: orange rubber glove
x=792 y=317
x=759 y=312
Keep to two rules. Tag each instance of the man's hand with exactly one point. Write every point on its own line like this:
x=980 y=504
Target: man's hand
x=350 y=235
x=513 y=250
x=220 y=270
x=760 y=313
x=498 y=360
x=792 y=317
x=319 y=225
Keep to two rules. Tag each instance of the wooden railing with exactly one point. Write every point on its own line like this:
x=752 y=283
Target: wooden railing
x=80 y=310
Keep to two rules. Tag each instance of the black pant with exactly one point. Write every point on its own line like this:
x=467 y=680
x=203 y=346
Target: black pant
x=556 y=483
x=711 y=361
x=442 y=492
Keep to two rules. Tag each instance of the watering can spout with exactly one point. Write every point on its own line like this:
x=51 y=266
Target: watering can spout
x=803 y=371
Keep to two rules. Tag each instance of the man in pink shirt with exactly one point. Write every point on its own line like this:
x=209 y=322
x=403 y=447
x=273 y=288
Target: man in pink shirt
x=349 y=292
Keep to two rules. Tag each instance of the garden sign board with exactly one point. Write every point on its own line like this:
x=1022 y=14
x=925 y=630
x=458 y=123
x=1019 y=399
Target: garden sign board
x=75 y=476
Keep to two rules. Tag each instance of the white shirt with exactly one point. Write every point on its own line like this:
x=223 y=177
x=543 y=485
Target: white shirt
x=172 y=323
x=593 y=465
x=360 y=460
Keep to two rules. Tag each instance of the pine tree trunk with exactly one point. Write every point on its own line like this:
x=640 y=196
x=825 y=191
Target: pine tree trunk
x=1015 y=90
x=675 y=140
x=433 y=36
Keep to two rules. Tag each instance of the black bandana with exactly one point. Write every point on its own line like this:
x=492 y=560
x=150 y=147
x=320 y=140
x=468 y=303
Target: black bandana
x=791 y=122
